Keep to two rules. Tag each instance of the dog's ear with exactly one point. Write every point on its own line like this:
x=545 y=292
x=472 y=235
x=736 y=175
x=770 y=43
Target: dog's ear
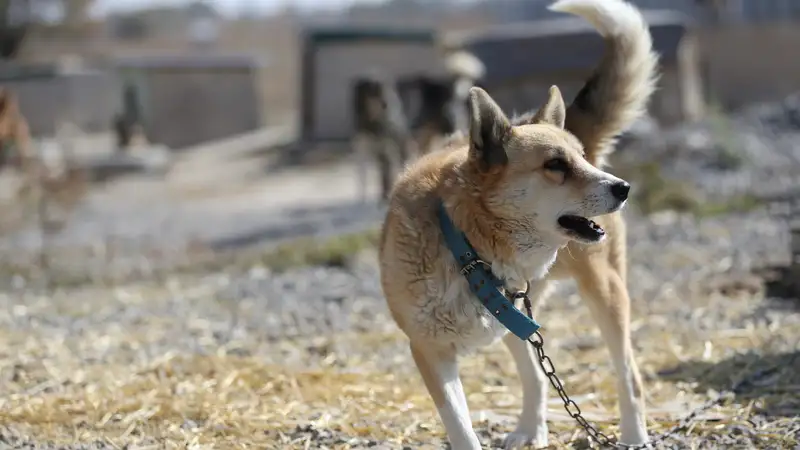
x=489 y=129
x=554 y=111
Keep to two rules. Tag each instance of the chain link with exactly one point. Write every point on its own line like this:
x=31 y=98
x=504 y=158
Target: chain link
x=574 y=411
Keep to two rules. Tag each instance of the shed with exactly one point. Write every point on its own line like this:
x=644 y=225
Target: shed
x=49 y=93
x=524 y=59
x=189 y=99
x=333 y=57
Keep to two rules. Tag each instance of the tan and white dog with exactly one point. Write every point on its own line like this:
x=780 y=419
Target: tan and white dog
x=523 y=192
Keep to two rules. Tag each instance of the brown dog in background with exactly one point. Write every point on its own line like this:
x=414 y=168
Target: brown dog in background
x=531 y=197
x=15 y=138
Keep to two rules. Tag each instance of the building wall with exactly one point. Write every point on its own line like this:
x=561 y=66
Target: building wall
x=180 y=107
x=528 y=94
x=747 y=63
x=186 y=107
x=743 y=62
x=737 y=64
x=337 y=66
x=88 y=100
x=743 y=11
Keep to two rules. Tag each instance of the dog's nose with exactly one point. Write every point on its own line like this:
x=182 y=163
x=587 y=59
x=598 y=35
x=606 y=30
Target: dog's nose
x=620 y=190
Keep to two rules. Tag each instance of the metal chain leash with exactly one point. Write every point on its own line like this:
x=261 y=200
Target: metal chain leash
x=574 y=411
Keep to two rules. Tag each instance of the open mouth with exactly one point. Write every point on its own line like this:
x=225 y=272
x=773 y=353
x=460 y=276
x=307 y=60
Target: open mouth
x=581 y=228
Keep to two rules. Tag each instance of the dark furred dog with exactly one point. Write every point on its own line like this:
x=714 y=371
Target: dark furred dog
x=398 y=121
x=381 y=131
x=435 y=107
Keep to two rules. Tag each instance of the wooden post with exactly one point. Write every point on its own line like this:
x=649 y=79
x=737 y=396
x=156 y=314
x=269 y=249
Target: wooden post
x=794 y=227
x=793 y=274
x=787 y=207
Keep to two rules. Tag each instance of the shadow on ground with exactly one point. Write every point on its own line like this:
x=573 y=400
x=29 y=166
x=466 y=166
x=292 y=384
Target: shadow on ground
x=299 y=154
x=293 y=223
x=782 y=283
x=771 y=384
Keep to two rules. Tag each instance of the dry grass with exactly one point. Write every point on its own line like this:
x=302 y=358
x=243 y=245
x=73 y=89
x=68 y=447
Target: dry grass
x=114 y=384
x=335 y=251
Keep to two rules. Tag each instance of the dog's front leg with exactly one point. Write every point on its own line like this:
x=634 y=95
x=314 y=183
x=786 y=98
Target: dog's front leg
x=607 y=297
x=439 y=370
x=532 y=425
x=361 y=149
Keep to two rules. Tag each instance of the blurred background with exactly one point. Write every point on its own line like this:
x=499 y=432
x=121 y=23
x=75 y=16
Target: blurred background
x=149 y=141
x=221 y=99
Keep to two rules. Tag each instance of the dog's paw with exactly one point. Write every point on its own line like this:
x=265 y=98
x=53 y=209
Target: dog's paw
x=635 y=438
x=520 y=439
x=633 y=432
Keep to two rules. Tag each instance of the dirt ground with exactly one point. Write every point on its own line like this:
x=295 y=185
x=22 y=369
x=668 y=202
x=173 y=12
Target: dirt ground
x=308 y=357
x=211 y=200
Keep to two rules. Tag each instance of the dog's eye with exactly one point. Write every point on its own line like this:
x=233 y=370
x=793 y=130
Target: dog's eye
x=556 y=165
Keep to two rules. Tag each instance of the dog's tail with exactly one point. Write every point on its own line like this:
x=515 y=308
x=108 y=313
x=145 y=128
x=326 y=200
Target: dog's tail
x=618 y=91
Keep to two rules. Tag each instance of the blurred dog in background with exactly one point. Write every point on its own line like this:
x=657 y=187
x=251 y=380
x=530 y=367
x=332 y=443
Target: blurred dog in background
x=437 y=106
x=398 y=120
x=381 y=134
x=15 y=138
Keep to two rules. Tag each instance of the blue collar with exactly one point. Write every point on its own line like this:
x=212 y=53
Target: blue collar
x=482 y=281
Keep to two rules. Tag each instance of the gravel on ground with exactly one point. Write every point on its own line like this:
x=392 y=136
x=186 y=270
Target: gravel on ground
x=309 y=358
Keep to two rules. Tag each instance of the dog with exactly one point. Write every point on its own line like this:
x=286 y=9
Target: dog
x=381 y=131
x=15 y=137
x=437 y=105
x=532 y=198
x=397 y=122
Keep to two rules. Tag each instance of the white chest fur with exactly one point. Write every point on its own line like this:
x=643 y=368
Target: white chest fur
x=452 y=315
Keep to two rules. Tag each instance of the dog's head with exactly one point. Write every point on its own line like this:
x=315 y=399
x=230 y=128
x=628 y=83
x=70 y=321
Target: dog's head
x=534 y=171
x=370 y=101
x=433 y=103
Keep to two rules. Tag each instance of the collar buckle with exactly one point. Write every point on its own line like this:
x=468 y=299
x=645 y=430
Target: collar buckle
x=472 y=265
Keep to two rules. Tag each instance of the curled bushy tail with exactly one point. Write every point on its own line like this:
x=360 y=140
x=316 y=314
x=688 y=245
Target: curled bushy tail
x=618 y=91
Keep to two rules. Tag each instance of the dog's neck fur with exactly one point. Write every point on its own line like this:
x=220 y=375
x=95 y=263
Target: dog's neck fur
x=517 y=252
